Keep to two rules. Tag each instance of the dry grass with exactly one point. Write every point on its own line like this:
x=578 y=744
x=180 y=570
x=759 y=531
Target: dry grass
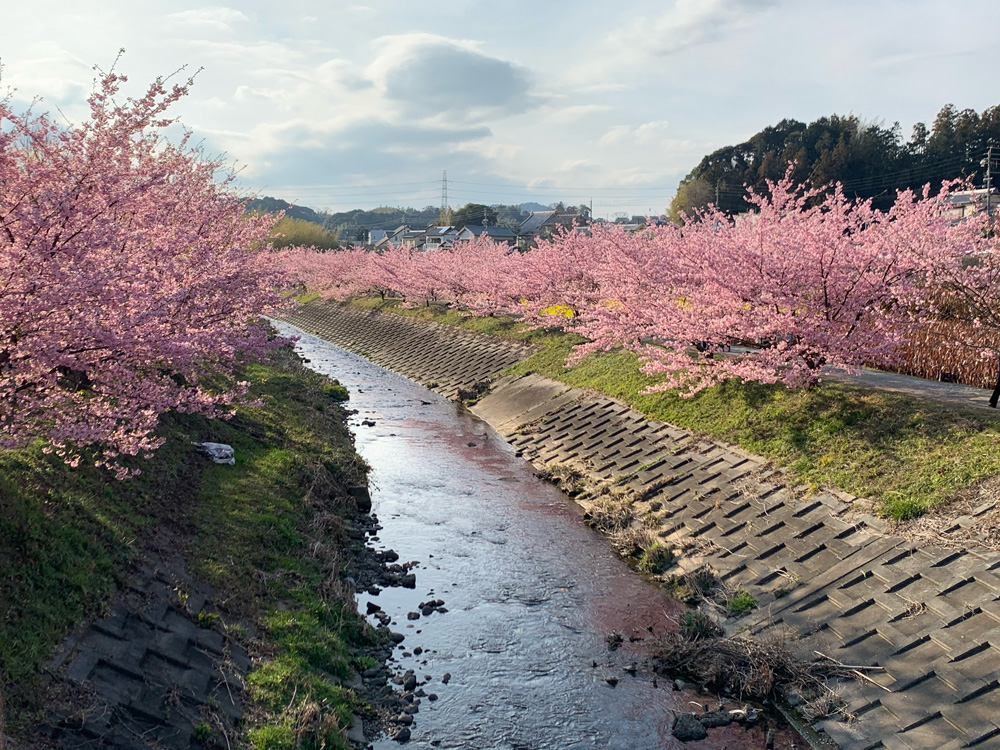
x=939 y=525
x=610 y=514
x=750 y=668
x=567 y=477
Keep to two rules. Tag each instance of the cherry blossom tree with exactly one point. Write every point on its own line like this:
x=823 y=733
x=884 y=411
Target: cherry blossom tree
x=128 y=272
x=807 y=280
x=960 y=333
x=333 y=274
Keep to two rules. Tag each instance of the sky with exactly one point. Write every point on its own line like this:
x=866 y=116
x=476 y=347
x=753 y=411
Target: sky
x=342 y=105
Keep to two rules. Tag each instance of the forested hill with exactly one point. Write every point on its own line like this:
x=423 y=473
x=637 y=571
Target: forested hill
x=872 y=161
x=273 y=205
x=350 y=226
x=354 y=226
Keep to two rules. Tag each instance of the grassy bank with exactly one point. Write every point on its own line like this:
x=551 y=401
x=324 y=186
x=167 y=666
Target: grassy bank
x=263 y=531
x=906 y=454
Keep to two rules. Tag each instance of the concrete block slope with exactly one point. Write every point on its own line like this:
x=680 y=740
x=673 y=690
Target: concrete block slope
x=148 y=674
x=837 y=581
x=442 y=358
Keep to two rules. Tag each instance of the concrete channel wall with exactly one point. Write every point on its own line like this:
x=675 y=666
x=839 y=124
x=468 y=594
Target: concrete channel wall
x=839 y=580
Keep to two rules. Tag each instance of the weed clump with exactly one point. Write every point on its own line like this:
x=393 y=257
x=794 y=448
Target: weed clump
x=696 y=626
x=202 y=731
x=610 y=514
x=903 y=508
x=656 y=558
x=336 y=392
x=741 y=602
x=471 y=396
x=693 y=587
x=569 y=480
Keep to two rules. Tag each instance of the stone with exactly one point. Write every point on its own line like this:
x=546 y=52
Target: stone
x=356 y=733
x=687 y=728
x=713 y=719
x=403 y=735
x=361 y=496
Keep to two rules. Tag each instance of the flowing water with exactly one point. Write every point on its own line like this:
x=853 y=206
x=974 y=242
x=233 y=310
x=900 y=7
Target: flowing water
x=532 y=594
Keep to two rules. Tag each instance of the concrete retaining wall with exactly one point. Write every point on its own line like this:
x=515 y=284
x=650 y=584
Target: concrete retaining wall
x=853 y=591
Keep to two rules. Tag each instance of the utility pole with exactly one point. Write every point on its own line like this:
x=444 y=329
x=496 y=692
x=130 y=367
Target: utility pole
x=989 y=164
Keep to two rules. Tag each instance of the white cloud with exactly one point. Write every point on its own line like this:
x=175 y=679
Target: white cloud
x=577 y=112
x=432 y=77
x=646 y=134
x=691 y=23
x=213 y=18
x=637 y=50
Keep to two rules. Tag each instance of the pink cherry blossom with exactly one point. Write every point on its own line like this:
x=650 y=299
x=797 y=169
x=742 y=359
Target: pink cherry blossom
x=128 y=272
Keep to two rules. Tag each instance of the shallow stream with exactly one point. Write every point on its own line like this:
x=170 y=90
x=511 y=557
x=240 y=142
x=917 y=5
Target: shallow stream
x=531 y=593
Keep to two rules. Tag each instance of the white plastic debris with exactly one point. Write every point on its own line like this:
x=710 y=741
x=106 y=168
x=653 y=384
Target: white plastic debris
x=218 y=452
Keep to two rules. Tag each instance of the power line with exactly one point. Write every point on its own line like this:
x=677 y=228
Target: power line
x=549 y=187
x=905 y=175
x=326 y=186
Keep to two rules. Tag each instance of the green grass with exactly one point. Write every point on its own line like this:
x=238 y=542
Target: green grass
x=907 y=454
x=202 y=731
x=740 y=603
x=68 y=536
x=66 y=539
x=656 y=559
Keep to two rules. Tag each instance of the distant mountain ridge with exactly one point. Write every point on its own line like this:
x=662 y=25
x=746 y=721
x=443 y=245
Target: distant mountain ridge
x=356 y=224
x=274 y=205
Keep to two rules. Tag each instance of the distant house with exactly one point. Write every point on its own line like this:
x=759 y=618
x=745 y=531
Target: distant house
x=497 y=234
x=543 y=224
x=968 y=202
x=436 y=237
x=413 y=239
x=394 y=237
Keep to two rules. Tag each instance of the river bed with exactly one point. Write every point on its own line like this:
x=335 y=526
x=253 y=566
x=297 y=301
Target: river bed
x=532 y=595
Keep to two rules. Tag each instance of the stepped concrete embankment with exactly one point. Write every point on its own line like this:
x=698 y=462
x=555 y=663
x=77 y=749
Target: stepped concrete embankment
x=840 y=580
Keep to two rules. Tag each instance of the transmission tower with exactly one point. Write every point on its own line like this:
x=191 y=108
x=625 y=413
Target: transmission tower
x=444 y=195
